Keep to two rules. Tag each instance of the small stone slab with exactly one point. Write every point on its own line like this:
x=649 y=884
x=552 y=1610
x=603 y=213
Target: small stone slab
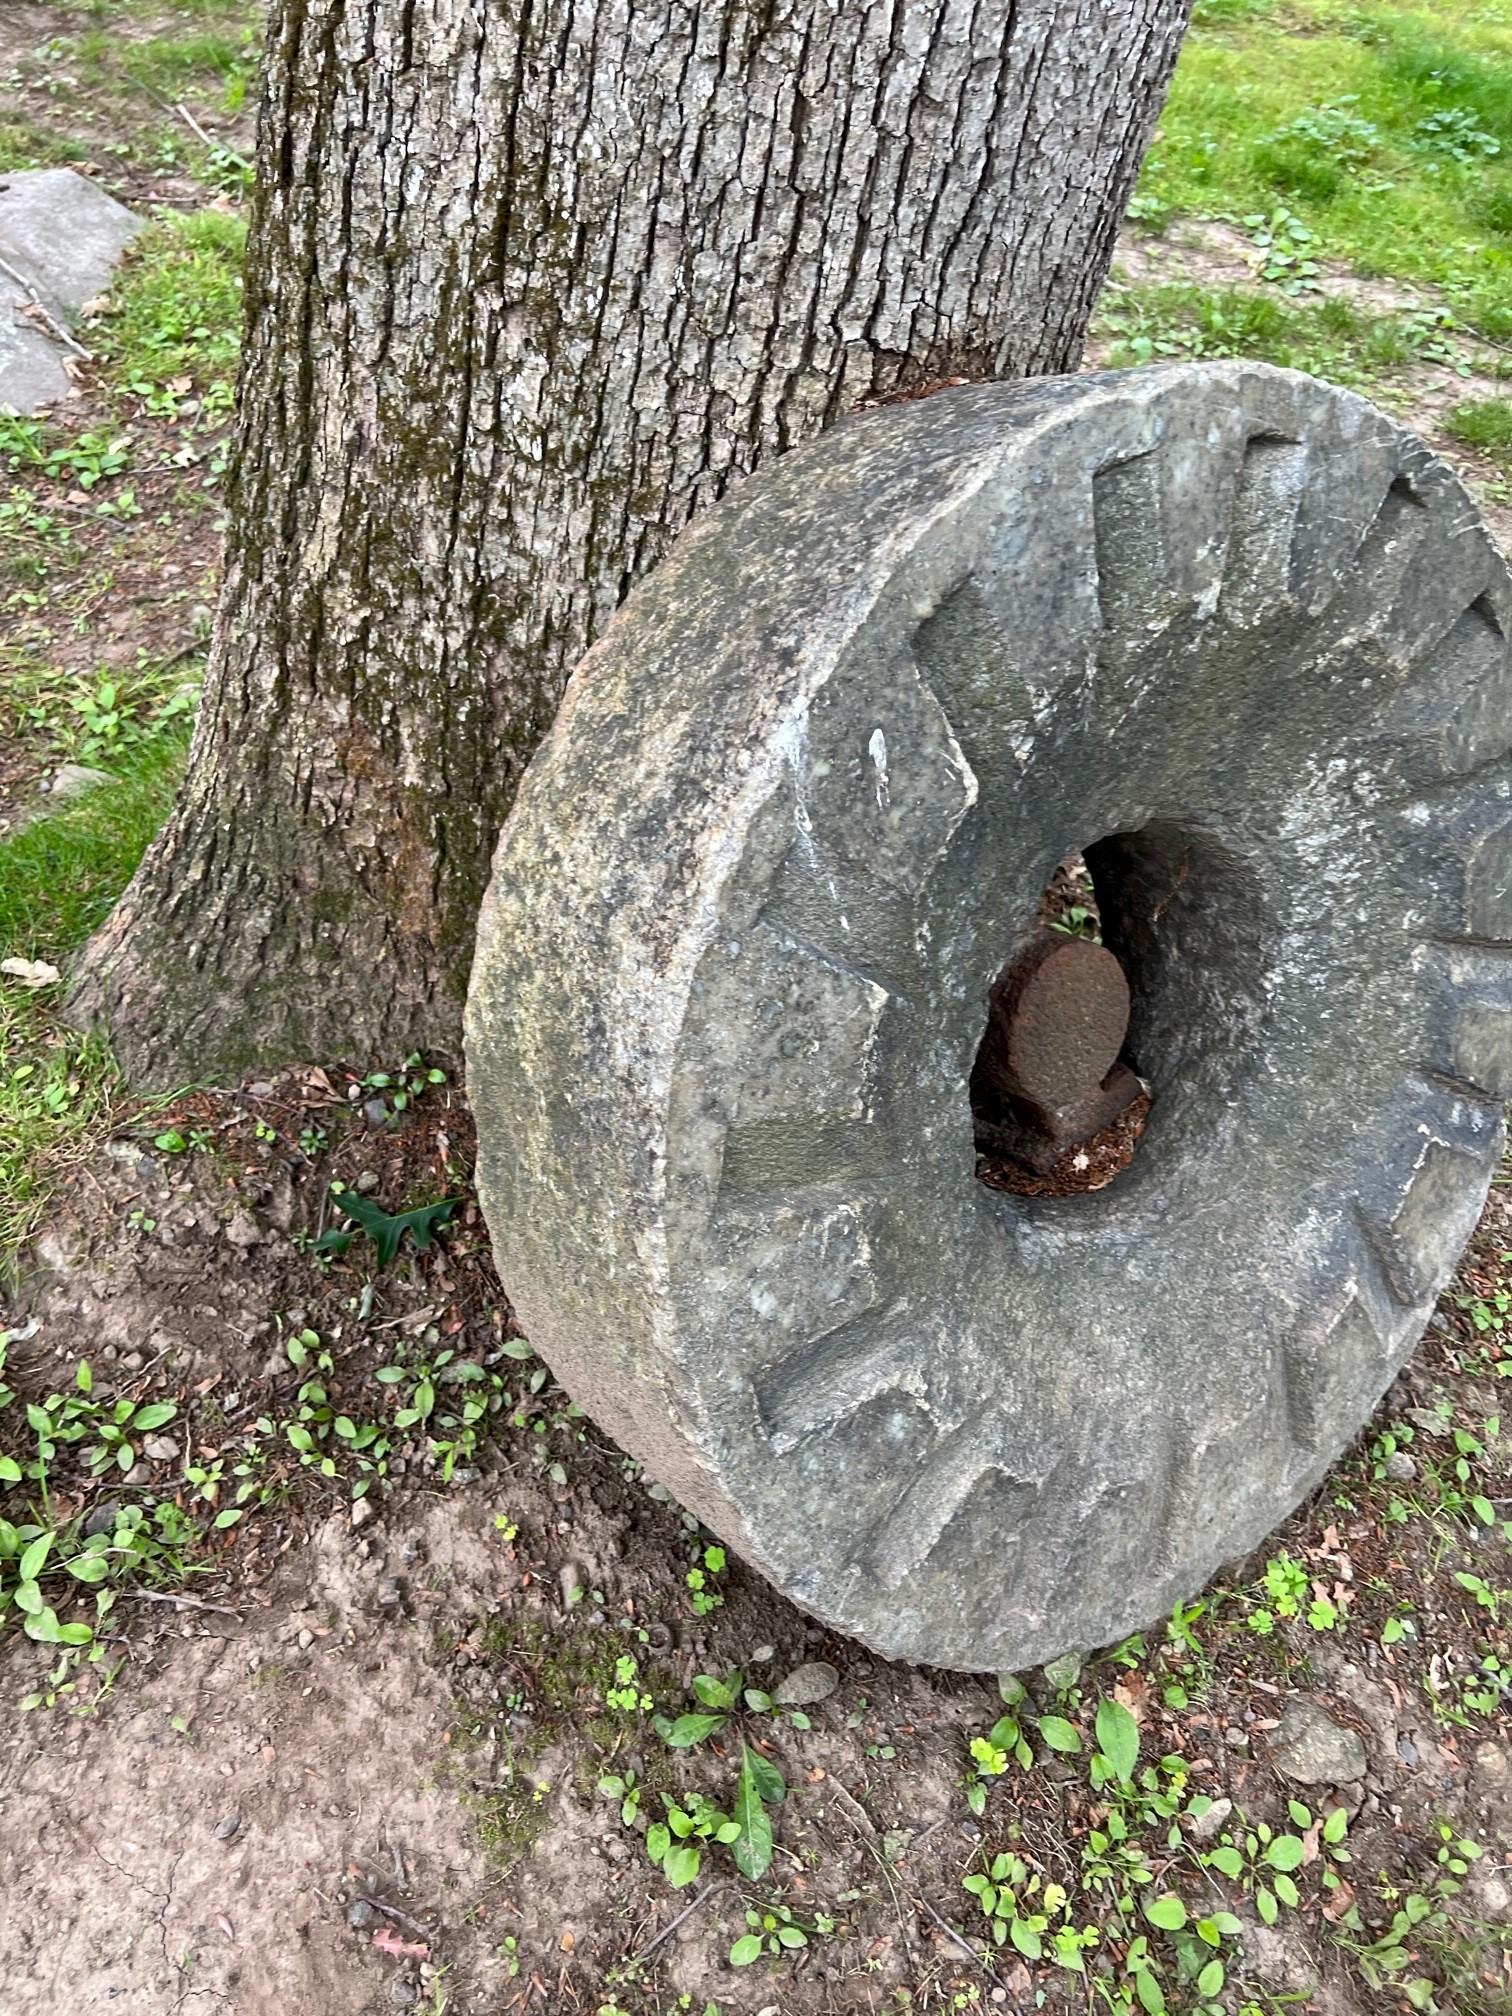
x=63 y=235
x=1310 y=1748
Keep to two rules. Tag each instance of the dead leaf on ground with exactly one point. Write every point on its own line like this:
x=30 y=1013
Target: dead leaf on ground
x=31 y=972
x=397 y=1948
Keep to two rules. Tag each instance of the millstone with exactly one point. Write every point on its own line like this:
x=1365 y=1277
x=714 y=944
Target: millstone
x=1241 y=641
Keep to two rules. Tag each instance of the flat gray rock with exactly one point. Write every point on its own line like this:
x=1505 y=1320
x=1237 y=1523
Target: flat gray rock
x=1241 y=641
x=1310 y=1748
x=63 y=235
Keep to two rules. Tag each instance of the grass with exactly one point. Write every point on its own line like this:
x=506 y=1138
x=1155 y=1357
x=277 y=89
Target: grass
x=58 y=878
x=1327 y=336
x=1485 y=424
x=1385 y=131
x=179 y=300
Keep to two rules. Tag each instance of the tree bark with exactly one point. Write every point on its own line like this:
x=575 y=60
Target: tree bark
x=531 y=282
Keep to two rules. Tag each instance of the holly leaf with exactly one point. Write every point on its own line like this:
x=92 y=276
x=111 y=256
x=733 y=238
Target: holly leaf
x=386 y=1229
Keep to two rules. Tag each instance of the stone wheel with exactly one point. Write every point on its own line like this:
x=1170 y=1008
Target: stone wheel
x=1240 y=640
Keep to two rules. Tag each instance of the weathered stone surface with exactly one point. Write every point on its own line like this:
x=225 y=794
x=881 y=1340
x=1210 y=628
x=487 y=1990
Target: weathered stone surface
x=63 y=235
x=1310 y=1748
x=734 y=965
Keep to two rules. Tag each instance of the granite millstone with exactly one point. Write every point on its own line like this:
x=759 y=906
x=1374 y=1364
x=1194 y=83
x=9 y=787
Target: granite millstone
x=1239 y=639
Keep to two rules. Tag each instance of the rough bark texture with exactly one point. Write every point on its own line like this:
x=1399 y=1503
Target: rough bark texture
x=530 y=283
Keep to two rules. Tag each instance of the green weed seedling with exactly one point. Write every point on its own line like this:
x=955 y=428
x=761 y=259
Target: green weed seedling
x=676 y=1844
x=711 y=1561
x=1264 y=1862
x=1286 y=1588
x=402 y=1087
x=776 y=1932
x=1420 y=1926
x=759 y=1783
x=453 y=1399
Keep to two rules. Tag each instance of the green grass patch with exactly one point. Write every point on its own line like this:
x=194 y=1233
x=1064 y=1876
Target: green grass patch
x=167 y=64
x=1386 y=132
x=1485 y=424
x=23 y=145
x=180 y=300
x=58 y=879
x=1326 y=336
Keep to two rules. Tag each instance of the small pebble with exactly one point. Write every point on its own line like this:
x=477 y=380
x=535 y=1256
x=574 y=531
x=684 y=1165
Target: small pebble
x=1399 y=1467
x=1208 y=1826
x=1064 y=1672
x=360 y=1914
x=806 y=1685
x=362 y=1511
x=306 y=1640
x=1407 y=1751
x=160 y=1448
x=368 y=1182
x=763 y=1654
x=1236 y=1739
x=375 y=1112
x=228 y=1826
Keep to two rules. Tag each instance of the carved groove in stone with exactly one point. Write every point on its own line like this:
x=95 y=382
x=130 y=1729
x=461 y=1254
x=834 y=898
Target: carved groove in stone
x=785 y=1155
x=1127 y=543
x=834 y=1374
x=1257 y=574
x=908 y=1533
x=1457 y=1087
x=1390 y=1265
x=1403 y=512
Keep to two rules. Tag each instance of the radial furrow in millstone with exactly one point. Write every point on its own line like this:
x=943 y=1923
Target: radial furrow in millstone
x=913 y=1526
x=1437 y=1213
x=1483 y=1046
x=828 y=1377
x=1263 y=530
x=1488 y=888
x=1453 y=723
x=1326 y=1373
x=1439 y=1080
x=1132 y=574
x=883 y=779
x=1382 y=1265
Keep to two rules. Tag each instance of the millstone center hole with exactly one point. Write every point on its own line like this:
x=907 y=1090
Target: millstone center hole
x=1057 y=1109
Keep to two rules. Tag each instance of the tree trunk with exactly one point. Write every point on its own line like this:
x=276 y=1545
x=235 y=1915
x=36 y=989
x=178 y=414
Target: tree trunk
x=530 y=283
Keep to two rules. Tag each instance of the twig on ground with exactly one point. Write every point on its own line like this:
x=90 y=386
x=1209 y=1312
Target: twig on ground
x=667 y=1930
x=186 y=1602
x=403 y=1918
x=45 y=313
x=956 y=1939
